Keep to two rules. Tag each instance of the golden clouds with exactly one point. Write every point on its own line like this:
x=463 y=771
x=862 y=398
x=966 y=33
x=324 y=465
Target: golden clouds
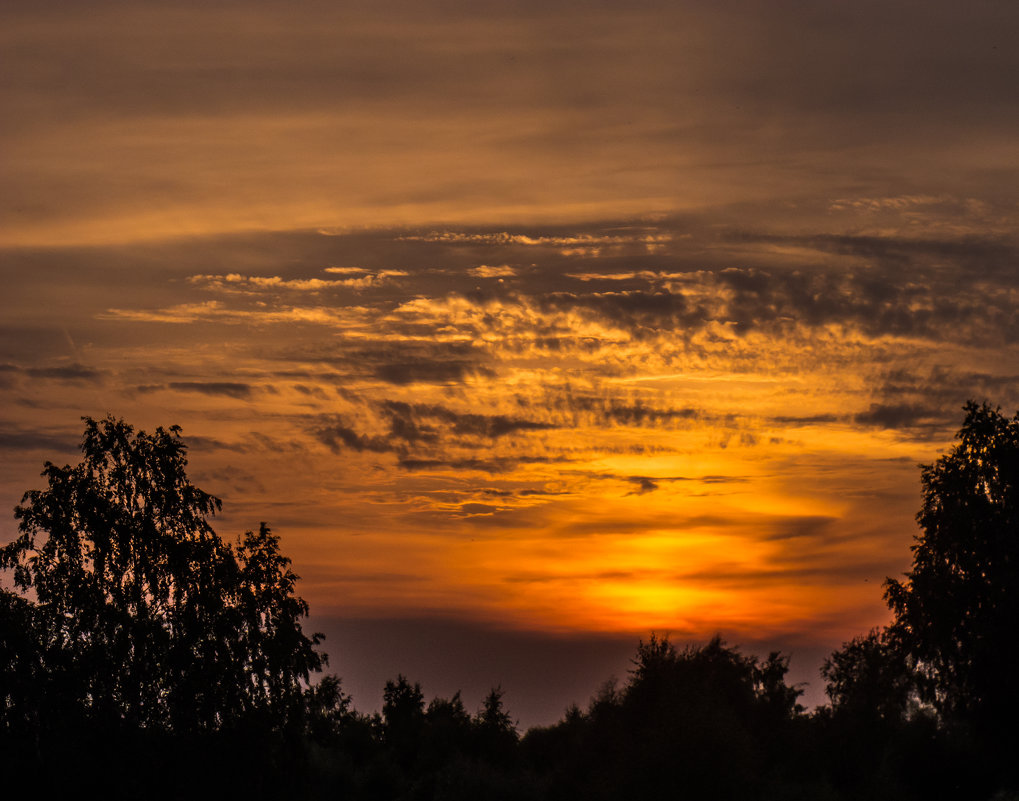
x=643 y=438
x=636 y=318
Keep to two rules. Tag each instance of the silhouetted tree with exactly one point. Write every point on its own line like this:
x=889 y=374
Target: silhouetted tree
x=870 y=689
x=279 y=656
x=403 y=713
x=497 y=736
x=869 y=678
x=328 y=709
x=956 y=613
x=22 y=681
x=697 y=722
x=143 y=616
x=448 y=713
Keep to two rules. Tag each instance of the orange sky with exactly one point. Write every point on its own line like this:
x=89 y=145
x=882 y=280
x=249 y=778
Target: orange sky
x=559 y=320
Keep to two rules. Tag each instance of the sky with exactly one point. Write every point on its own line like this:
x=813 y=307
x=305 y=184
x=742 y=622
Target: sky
x=532 y=328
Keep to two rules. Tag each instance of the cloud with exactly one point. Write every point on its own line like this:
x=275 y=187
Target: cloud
x=483 y=465
x=587 y=277
x=217 y=311
x=473 y=509
x=423 y=426
x=641 y=312
x=870 y=293
x=312 y=392
x=364 y=272
x=943 y=386
x=805 y=420
x=605 y=409
x=338 y=436
x=401 y=361
x=230 y=389
x=234 y=282
x=497 y=465
x=199 y=442
x=522 y=493
x=897 y=202
x=644 y=484
x=71 y=372
x=182 y=313
x=64 y=372
x=406 y=417
x=576 y=242
x=408 y=361
x=490 y=271
x=437 y=372
x=253 y=284
x=244 y=134
x=993 y=252
x=903 y=416
x=21 y=440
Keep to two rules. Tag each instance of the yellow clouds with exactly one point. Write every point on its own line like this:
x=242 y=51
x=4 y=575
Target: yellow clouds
x=213 y=310
x=234 y=282
x=577 y=245
x=492 y=271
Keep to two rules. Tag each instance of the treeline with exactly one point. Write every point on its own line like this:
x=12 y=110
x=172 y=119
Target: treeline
x=698 y=722
x=141 y=656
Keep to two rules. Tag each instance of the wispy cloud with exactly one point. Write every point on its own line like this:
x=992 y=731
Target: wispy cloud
x=492 y=271
x=234 y=282
x=229 y=389
x=506 y=238
x=59 y=372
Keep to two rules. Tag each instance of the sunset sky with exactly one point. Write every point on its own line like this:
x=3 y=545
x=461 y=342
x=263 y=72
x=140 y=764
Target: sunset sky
x=531 y=327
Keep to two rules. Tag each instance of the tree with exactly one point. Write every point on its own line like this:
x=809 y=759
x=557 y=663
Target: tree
x=707 y=719
x=779 y=700
x=867 y=678
x=492 y=715
x=142 y=615
x=403 y=710
x=448 y=728
x=20 y=663
x=329 y=708
x=496 y=733
x=956 y=612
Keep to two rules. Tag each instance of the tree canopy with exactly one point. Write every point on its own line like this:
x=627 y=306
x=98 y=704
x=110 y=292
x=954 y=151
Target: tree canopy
x=142 y=615
x=956 y=612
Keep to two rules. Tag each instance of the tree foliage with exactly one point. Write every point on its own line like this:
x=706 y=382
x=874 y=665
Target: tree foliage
x=936 y=687
x=142 y=615
x=956 y=612
x=693 y=722
x=868 y=679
